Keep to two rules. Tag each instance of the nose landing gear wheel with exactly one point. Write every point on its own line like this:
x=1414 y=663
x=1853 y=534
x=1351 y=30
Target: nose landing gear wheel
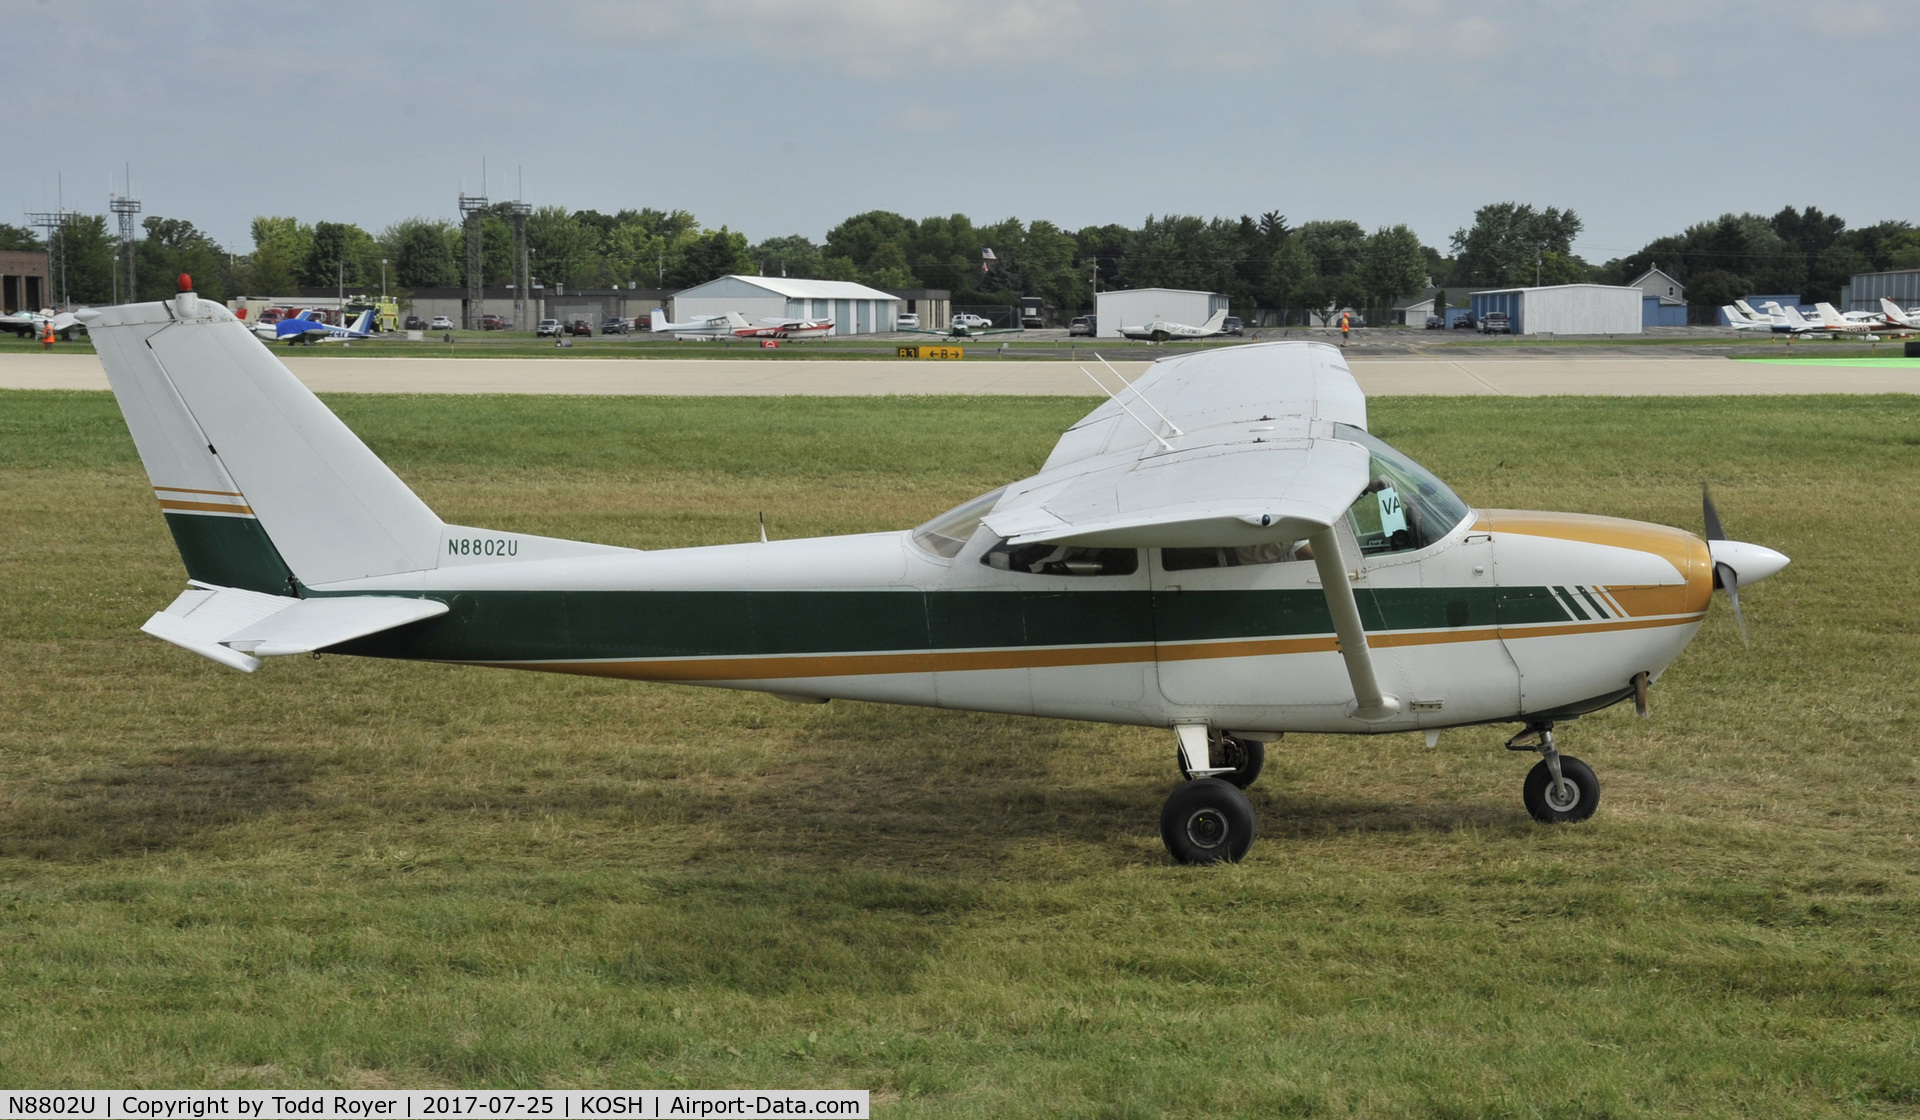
x=1575 y=799
x=1207 y=821
x=1246 y=756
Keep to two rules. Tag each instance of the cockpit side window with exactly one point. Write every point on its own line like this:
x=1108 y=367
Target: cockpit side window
x=1062 y=560
x=1404 y=506
x=948 y=533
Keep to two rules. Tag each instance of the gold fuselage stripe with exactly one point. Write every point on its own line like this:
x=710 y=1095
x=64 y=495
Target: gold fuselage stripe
x=204 y=507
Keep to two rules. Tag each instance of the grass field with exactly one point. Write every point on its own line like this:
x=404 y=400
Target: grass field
x=367 y=874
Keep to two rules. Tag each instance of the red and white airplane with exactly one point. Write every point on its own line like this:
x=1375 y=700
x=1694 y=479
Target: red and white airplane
x=794 y=329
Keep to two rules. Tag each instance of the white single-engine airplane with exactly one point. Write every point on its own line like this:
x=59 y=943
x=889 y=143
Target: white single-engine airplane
x=795 y=330
x=1160 y=330
x=1222 y=550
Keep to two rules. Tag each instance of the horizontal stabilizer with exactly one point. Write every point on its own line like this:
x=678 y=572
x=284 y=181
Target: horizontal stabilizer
x=237 y=627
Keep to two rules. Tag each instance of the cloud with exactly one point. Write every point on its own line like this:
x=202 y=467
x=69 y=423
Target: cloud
x=865 y=38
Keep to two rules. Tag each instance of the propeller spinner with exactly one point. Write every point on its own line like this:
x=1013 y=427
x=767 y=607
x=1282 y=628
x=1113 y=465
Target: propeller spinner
x=1736 y=562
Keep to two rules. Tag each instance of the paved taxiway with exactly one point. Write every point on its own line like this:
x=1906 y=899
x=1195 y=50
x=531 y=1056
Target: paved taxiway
x=1520 y=377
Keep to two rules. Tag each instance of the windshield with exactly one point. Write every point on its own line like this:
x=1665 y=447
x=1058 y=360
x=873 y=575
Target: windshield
x=1404 y=506
x=948 y=533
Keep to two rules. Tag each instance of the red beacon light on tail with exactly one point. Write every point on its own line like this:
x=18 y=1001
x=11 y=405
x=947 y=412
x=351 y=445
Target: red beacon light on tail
x=186 y=282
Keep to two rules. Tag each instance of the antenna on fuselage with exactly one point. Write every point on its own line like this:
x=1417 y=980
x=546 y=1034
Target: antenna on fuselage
x=763 y=526
x=1123 y=407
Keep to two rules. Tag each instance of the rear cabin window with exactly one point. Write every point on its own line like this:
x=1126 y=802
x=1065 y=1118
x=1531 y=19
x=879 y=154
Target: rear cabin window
x=1062 y=560
x=1240 y=556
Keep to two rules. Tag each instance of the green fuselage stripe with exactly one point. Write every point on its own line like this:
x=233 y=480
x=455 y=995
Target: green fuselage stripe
x=570 y=625
x=229 y=552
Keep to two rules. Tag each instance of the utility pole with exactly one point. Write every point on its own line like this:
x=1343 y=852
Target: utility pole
x=471 y=209
x=517 y=213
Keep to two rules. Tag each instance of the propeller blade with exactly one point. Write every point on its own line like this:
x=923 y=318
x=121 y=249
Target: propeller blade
x=1730 y=580
x=1712 y=516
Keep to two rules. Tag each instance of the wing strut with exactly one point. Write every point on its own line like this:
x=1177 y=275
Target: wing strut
x=1370 y=705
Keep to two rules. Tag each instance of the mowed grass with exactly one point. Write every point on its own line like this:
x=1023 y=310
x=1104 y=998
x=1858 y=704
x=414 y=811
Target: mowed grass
x=367 y=874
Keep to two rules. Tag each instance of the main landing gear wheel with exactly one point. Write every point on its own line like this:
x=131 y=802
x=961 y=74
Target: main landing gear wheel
x=1207 y=821
x=1573 y=799
x=1246 y=756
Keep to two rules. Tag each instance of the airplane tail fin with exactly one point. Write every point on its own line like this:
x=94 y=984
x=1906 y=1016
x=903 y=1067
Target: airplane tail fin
x=263 y=488
x=1828 y=316
x=364 y=323
x=736 y=320
x=1734 y=316
x=1215 y=321
x=1892 y=312
x=657 y=319
x=1793 y=317
x=1746 y=310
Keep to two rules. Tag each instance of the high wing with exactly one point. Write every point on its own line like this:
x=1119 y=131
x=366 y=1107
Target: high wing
x=1233 y=447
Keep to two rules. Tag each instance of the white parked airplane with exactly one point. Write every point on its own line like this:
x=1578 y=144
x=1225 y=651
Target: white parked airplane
x=1222 y=550
x=1836 y=324
x=1896 y=320
x=704 y=327
x=1160 y=330
x=1745 y=320
x=32 y=324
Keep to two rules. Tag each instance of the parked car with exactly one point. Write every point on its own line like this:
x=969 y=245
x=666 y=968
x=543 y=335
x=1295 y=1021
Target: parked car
x=1232 y=325
x=547 y=328
x=416 y=323
x=1083 y=324
x=440 y=323
x=580 y=326
x=971 y=322
x=493 y=323
x=1464 y=322
x=1435 y=322
x=1495 y=322
x=614 y=325
x=906 y=320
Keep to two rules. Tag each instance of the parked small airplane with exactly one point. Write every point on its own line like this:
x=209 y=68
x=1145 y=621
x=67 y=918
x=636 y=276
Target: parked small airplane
x=1741 y=320
x=1222 y=549
x=306 y=328
x=1836 y=324
x=32 y=324
x=795 y=329
x=703 y=328
x=1898 y=321
x=1160 y=330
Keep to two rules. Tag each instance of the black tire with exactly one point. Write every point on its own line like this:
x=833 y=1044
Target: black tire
x=1549 y=809
x=1246 y=756
x=1207 y=821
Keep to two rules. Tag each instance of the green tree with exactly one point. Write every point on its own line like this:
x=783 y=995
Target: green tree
x=419 y=254
x=18 y=239
x=1289 y=270
x=1507 y=238
x=1337 y=248
x=563 y=248
x=338 y=254
x=792 y=255
x=81 y=257
x=715 y=253
x=860 y=237
x=173 y=246
x=1393 y=265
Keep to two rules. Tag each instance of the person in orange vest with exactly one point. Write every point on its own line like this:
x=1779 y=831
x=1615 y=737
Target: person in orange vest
x=46 y=335
x=1345 y=326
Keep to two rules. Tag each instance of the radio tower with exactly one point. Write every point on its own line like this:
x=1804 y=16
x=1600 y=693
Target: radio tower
x=472 y=206
x=126 y=208
x=522 y=275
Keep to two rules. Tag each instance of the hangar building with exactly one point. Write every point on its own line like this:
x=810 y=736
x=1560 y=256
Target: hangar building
x=1565 y=308
x=854 y=308
x=1869 y=288
x=26 y=281
x=1137 y=307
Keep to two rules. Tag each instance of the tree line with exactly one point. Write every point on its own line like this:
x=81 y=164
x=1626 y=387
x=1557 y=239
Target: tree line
x=1262 y=262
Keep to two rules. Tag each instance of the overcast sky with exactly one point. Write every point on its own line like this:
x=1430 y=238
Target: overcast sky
x=775 y=118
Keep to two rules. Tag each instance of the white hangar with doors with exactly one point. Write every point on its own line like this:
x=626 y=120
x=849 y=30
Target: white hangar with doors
x=1565 y=308
x=854 y=308
x=1136 y=307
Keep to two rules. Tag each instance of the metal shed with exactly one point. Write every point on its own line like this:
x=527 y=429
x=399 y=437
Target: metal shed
x=1140 y=306
x=1869 y=288
x=854 y=308
x=1565 y=308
